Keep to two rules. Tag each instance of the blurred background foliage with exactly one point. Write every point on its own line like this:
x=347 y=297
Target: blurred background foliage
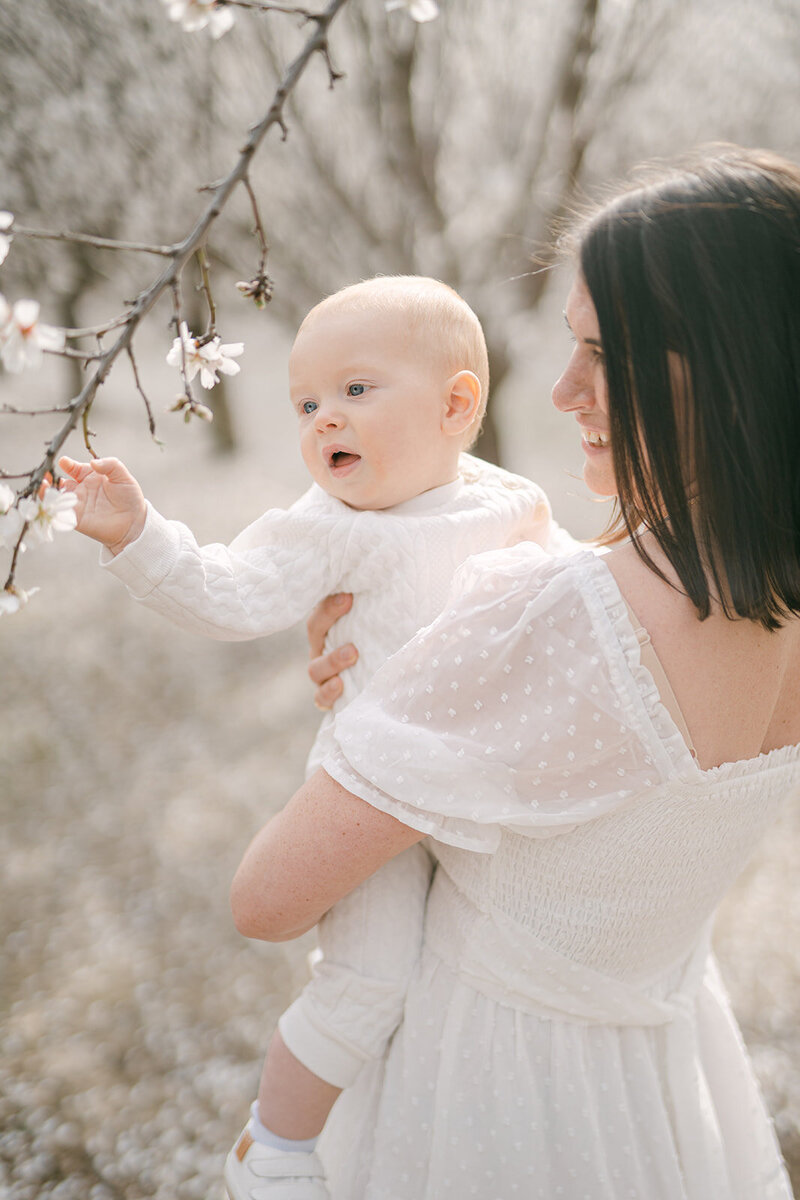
x=136 y=763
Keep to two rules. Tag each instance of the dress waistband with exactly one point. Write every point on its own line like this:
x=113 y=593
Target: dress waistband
x=500 y=959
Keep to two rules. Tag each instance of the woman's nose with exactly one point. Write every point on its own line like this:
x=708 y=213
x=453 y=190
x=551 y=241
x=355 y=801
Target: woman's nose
x=572 y=390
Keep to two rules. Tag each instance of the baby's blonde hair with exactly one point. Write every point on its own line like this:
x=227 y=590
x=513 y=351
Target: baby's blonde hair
x=433 y=311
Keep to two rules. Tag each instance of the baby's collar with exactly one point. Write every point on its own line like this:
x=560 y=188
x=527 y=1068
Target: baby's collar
x=428 y=501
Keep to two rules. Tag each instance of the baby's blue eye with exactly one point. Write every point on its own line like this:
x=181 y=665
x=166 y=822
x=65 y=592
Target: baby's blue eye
x=356 y=389
x=308 y=406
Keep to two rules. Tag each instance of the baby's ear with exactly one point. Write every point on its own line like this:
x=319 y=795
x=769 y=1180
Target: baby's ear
x=463 y=402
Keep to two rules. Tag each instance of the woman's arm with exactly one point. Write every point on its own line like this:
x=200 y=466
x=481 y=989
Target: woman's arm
x=317 y=849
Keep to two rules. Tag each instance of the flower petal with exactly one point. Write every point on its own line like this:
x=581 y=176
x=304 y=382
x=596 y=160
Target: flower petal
x=220 y=21
x=228 y=366
x=50 y=338
x=423 y=10
x=25 y=313
x=7 y=498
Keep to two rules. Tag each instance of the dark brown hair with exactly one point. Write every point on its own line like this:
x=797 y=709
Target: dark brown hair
x=696 y=281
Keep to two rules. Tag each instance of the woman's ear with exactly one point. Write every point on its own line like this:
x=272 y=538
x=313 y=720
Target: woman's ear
x=463 y=402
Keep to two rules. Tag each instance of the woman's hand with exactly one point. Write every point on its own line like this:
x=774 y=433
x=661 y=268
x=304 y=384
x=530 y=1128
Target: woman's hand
x=324 y=669
x=111 y=507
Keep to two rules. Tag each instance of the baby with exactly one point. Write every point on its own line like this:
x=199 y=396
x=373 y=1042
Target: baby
x=389 y=379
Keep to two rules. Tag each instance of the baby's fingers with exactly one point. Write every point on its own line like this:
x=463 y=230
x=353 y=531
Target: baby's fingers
x=114 y=470
x=75 y=470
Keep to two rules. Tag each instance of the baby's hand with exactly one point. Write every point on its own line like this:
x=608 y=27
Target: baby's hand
x=111 y=507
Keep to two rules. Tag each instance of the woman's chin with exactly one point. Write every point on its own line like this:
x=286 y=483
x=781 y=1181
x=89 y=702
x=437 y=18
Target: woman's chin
x=598 y=475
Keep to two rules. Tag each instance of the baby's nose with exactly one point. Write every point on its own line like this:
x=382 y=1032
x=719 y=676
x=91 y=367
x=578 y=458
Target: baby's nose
x=329 y=418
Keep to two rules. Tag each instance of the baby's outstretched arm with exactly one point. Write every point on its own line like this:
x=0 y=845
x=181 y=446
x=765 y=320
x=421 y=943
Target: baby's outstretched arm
x=111 y=507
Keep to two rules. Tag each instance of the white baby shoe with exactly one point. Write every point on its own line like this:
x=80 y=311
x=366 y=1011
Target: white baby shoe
x=257 y=1172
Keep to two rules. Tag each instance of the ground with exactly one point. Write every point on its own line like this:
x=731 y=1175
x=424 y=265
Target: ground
x=136 y=763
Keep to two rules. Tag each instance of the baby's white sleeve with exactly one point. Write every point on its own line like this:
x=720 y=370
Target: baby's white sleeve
x=266 y=580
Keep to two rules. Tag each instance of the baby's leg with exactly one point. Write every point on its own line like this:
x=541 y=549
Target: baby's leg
x=293 y=1102
x=344 y=1017
x=346 y=1014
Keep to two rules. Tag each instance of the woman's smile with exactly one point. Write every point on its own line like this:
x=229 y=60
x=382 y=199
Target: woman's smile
x=593 y=439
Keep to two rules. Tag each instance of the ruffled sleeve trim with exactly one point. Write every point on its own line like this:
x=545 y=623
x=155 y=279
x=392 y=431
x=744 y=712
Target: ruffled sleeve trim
x=633 y=681
x=453 y=831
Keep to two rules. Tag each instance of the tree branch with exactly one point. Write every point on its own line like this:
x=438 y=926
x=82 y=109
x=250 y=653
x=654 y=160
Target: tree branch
x=183 y=251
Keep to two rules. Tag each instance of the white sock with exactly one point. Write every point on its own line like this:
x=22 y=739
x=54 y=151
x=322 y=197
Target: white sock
x=260 y=1133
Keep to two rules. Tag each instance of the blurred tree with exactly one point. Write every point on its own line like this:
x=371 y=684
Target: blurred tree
x=450 y=149
x=454 y=149
x=113 y=130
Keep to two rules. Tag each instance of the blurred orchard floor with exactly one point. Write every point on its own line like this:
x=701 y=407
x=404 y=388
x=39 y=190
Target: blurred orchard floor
x=136 y=764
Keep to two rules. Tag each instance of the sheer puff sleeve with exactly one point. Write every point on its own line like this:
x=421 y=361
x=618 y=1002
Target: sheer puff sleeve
x=511 y=711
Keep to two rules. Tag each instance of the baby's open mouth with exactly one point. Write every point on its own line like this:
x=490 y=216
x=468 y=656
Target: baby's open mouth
x=343 y=458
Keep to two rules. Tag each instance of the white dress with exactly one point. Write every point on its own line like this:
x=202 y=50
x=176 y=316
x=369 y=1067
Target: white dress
x=565 y=1033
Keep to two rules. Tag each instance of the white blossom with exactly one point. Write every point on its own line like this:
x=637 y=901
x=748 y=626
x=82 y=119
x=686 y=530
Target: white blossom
x=12 y=599
x=6 y=238
x=11 y=519
x=199 y=14
x=23 y=339
x=207 y=359
x=418 y=10
x=52 y=512
x=7 y=498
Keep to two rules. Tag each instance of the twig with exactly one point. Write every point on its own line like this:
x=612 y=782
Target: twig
x=89 y=239
x=205 y=287
x=150 y=418
x=333 y=74
x=259 y=228
x=70 y=352
x=88 y=433
x=30 y=412
x=98 y=330
x=15 y=556
x=259 y=289
x=265 y=6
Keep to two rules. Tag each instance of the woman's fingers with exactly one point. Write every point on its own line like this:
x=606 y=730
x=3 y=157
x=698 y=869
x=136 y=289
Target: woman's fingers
x=324 y=668
x=323 y=617
x=326 y=696
x=328 y=666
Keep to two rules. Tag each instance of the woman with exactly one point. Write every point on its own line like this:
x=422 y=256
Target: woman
x=593 y=746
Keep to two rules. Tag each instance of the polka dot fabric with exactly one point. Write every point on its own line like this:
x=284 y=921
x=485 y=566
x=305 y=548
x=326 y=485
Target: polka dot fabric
x=566 y=1033
x=504 y=713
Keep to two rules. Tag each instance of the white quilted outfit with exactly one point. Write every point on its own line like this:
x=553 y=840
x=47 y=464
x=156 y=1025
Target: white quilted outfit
x=565 y=1032
x=400 y=564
